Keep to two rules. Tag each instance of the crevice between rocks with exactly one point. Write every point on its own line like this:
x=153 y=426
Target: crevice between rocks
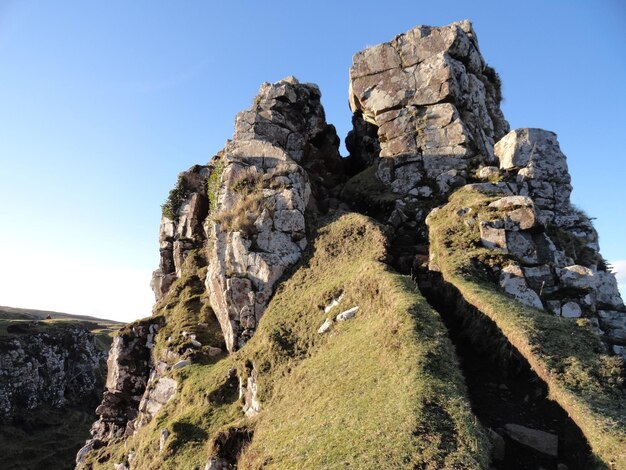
x=503 y=389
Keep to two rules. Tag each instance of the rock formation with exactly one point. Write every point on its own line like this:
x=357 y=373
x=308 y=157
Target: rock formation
x=435 y=105
x=127 y=377
x=250 y=204
x=56 y=368
x=428 y=131
x=181 y=227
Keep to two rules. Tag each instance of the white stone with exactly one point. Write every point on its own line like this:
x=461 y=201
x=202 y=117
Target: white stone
x=347 y=314
x=512 y=281
x=181 y=364
x=577 y=277
x=333 y=303
x=325 y=326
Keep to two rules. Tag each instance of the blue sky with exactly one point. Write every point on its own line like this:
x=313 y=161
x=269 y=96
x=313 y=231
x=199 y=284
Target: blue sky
x=103 y=103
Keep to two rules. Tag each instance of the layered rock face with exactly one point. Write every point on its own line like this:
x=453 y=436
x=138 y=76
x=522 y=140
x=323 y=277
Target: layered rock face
x=557 y=264
x=281 y=151
x=57 y=369
x=435 y=107
x=256 y=191
x=435 y=104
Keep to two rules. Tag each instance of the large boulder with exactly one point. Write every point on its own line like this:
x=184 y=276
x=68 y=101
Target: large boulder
x=434 y=102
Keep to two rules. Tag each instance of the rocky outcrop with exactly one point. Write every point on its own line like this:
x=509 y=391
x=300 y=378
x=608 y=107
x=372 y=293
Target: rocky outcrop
x=129 y=368
x=557 y=264
x=282 y=153
x=246 y=209
x=427 y=125
x=58 y=368
x=435 y=103
x=181 y=228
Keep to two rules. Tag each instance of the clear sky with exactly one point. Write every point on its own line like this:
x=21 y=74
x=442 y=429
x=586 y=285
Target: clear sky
x=103 y=103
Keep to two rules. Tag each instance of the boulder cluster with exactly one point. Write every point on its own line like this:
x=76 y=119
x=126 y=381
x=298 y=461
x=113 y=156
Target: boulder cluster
x=555 y=263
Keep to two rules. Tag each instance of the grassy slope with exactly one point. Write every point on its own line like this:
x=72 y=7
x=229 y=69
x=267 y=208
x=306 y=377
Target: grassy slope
x=379 y=391
x=564 y=353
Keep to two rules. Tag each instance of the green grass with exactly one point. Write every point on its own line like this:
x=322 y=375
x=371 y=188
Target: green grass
x=581 y=377
x=382 y=390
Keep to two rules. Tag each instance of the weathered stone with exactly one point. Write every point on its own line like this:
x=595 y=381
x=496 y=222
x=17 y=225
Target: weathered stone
x=492 y=237
x=325 y=326
x=509 y=202
x=182 y=363
x=571 y=310
x=577 y=277
x=184 y=231
x=163 y=438
x=512 y=281
x=280 y=146
x=333 y=303
x=614 y=323
x=539 y=277
x=488 y=172
x=541 y=441
x=346 y=315
x=523 y=218
x=251 y=403
x=607 y=292
x=434 y=106
x=522 y=247
x=541 y=166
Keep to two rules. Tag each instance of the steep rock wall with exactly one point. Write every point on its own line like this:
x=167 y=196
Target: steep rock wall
x=57 y=368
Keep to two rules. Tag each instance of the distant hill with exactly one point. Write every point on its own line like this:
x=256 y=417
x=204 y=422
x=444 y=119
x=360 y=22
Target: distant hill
x=12 y=313
x=19 y=321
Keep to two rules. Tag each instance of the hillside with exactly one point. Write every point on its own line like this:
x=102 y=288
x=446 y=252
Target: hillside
x=433 y=300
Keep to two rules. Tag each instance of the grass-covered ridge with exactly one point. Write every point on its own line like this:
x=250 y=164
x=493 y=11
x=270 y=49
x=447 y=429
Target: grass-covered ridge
x=381 y=390
x=581 y=377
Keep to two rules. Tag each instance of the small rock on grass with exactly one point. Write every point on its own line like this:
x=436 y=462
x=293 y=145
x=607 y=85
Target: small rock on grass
x=347 y=314
x=181 y=364
x=325 y=326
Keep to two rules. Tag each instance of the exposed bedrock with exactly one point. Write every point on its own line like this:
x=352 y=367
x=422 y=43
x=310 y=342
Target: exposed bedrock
x=435 y=104
x=246 y=208
x=181 y=228
x=282 y=161
x=129 y=367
